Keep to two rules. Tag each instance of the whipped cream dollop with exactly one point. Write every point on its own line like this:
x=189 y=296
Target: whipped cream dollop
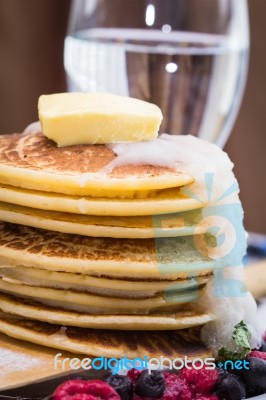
x=228 y=299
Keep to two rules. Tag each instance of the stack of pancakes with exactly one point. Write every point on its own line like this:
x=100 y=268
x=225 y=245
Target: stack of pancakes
x=100 y=261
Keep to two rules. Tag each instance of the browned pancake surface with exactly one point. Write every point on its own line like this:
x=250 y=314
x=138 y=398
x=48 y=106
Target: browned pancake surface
x=112 y=342
x=37 y=153
x=53 y=244
x=152 y=343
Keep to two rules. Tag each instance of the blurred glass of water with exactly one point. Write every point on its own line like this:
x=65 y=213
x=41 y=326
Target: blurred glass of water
x=196 y=74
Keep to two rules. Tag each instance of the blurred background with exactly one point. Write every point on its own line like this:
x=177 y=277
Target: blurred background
x=32 y=36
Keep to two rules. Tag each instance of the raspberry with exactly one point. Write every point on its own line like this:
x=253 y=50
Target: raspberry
x=85 y=390
x=133 y=374
x=206 y=397
x=136 y=397
x=201 y=380
x=176 y=388
x=257 y=354
x=83 y=396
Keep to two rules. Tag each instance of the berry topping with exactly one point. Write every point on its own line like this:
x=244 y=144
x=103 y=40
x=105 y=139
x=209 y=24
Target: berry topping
x=201 y=380
x=85 y=390
x=230 y=387
x=133 y=374
x=206 y=397
x=257 y=354
x=255 y=377
x=150 y=385
x=176 y=388
x=263 y=346
x=122 y=384
x=136 y=397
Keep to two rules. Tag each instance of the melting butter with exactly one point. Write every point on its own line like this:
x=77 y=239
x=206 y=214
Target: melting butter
x=97 y=118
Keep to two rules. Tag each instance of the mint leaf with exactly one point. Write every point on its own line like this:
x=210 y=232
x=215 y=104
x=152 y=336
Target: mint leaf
x=241 y=336
x=224 y=355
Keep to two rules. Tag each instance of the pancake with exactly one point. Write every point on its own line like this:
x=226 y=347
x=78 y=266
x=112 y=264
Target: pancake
x=163 y=277
x=28 y=159
x=166 y=201
x=32 y=247
x=35 y=310
x=91 y=303
x=107 y=343
x=178 y=224
x=99 y=285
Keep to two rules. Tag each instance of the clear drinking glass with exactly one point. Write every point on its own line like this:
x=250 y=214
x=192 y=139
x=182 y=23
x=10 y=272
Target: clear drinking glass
x=189 y=57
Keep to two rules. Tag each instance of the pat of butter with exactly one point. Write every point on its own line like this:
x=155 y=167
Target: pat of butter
x=90 y=118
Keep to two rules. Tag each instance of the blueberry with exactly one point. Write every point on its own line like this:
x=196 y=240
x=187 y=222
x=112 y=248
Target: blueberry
x=222 y=371
x=122 y=384
x=255 y=377
x=150 y=385
x=230 y=387
x=263 y=347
